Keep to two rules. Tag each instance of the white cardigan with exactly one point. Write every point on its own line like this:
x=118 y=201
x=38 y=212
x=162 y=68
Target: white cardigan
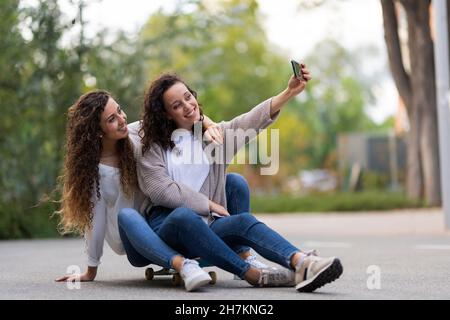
x=106 y=210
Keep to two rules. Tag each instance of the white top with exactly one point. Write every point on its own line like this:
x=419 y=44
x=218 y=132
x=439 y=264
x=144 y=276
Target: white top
x=106 y=210
x=187 y=163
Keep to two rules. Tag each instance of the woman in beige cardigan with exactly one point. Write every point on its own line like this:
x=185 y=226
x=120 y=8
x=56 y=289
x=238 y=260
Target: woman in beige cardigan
x=187 y=201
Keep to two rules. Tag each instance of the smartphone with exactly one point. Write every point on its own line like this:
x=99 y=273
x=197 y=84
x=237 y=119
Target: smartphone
x=297 y=68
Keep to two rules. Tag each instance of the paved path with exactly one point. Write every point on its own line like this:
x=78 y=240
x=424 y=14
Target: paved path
x=410 y=249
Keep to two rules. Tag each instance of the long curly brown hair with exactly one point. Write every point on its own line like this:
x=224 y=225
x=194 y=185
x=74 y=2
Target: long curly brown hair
x=156 y=127
x=80 y=178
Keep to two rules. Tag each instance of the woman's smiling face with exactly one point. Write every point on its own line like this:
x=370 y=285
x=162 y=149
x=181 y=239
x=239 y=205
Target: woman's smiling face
x=113 y=121
x=181 y=106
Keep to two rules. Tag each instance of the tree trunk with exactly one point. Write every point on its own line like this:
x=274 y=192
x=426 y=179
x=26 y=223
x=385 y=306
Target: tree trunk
x=414 y=177
x=401 y=77
x=402 y=80
x=418 y=91
x=421 y=53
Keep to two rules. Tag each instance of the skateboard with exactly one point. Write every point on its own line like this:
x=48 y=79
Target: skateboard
x=150 y=274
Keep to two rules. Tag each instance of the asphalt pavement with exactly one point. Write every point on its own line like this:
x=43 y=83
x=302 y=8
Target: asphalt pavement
x=386 y=255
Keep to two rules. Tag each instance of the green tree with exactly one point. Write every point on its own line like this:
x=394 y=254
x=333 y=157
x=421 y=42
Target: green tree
x=40 y=78
x=12 y=53
x=47 y=80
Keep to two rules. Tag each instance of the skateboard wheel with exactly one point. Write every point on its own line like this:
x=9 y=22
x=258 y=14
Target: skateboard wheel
x=149 y=273
x=176 y=280
x=213 y=276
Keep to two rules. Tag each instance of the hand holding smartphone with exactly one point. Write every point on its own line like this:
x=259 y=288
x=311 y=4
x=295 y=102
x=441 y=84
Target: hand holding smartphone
x=297 y=69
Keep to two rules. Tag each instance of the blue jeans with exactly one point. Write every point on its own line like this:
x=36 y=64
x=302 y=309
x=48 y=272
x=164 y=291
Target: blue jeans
x=237 y=193
x=185 y=231
x=238 y=200
x=143 y=246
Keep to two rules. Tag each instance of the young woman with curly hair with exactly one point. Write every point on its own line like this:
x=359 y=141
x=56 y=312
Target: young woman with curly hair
x=188 y=207
x=98 y=180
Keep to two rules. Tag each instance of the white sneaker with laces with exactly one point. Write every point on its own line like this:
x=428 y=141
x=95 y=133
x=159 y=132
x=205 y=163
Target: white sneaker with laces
x=254 y=263
x=193 y=276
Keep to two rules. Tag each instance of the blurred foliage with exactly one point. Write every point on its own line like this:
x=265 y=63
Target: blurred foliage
x=39 y=79
x=335 y=101
x=118 y=66
x=220 y=48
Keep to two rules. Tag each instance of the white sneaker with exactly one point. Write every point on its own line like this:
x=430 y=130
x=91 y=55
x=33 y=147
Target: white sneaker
x=193 y=276
x=254 y=263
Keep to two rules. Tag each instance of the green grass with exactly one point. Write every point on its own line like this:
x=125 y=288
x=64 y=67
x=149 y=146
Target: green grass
x=362 y=201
